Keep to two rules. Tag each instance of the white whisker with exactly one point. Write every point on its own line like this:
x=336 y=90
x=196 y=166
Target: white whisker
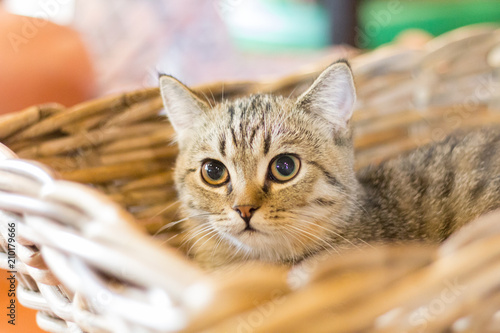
x=211 y=232
x=171 y=224
x=330 y=230
x=195 y=232
x=314 y=238
x=164 y=209
x=216 y=247
x=365 y=242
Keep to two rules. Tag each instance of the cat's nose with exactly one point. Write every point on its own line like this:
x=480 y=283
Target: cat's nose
x=246 y=212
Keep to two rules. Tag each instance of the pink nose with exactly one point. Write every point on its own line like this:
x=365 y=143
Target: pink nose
x=246 y=212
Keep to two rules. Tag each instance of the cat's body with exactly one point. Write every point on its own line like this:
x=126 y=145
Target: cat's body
x=270 y=178
x=429 y=193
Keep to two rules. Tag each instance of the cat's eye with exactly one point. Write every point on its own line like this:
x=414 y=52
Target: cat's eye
x=214 y=173
x=283 y=168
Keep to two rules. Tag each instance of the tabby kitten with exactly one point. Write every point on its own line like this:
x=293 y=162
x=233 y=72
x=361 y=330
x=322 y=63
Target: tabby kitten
x=270 y=178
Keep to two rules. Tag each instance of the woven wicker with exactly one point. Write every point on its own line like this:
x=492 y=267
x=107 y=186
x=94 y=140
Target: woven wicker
x=87 y=260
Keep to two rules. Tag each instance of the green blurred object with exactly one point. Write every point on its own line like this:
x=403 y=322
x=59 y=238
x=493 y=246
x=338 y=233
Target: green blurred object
x=276 y=25
x=382 y=20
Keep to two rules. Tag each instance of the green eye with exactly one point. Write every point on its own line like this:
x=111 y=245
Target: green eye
x=283 y=168
x=214 y=173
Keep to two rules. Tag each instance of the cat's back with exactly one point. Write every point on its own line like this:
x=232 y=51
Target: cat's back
x=433 y=190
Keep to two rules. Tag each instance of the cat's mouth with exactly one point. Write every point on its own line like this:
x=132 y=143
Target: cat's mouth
x=249 y=229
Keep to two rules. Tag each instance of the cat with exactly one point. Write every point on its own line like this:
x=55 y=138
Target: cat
x=271 y=178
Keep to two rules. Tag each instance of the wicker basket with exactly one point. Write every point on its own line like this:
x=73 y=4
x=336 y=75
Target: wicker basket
x=85 y=255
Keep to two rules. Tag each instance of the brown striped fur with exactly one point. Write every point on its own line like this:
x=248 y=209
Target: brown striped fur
x=424 y=195
x=429 y=193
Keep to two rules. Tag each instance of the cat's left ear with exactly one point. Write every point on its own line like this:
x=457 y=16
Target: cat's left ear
x=183 y=107
x=332 y=95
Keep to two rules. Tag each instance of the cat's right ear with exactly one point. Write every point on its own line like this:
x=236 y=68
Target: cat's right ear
x=183 y=107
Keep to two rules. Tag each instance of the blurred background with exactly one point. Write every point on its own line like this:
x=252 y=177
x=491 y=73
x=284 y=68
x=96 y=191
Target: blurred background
x=68 y=51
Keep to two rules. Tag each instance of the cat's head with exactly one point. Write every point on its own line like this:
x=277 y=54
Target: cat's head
x=268 y=176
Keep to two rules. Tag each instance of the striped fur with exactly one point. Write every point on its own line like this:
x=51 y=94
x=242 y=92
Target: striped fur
x=422 y=196
x=429 y=193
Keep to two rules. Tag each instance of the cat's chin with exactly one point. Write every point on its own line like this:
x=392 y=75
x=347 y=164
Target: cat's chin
x=261 y=245
x=248 y=237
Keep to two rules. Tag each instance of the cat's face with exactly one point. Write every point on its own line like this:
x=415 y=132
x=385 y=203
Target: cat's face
x=270 y=177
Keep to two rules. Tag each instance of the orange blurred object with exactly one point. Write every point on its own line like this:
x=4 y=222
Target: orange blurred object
x=25 y=318
x=41 y=62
